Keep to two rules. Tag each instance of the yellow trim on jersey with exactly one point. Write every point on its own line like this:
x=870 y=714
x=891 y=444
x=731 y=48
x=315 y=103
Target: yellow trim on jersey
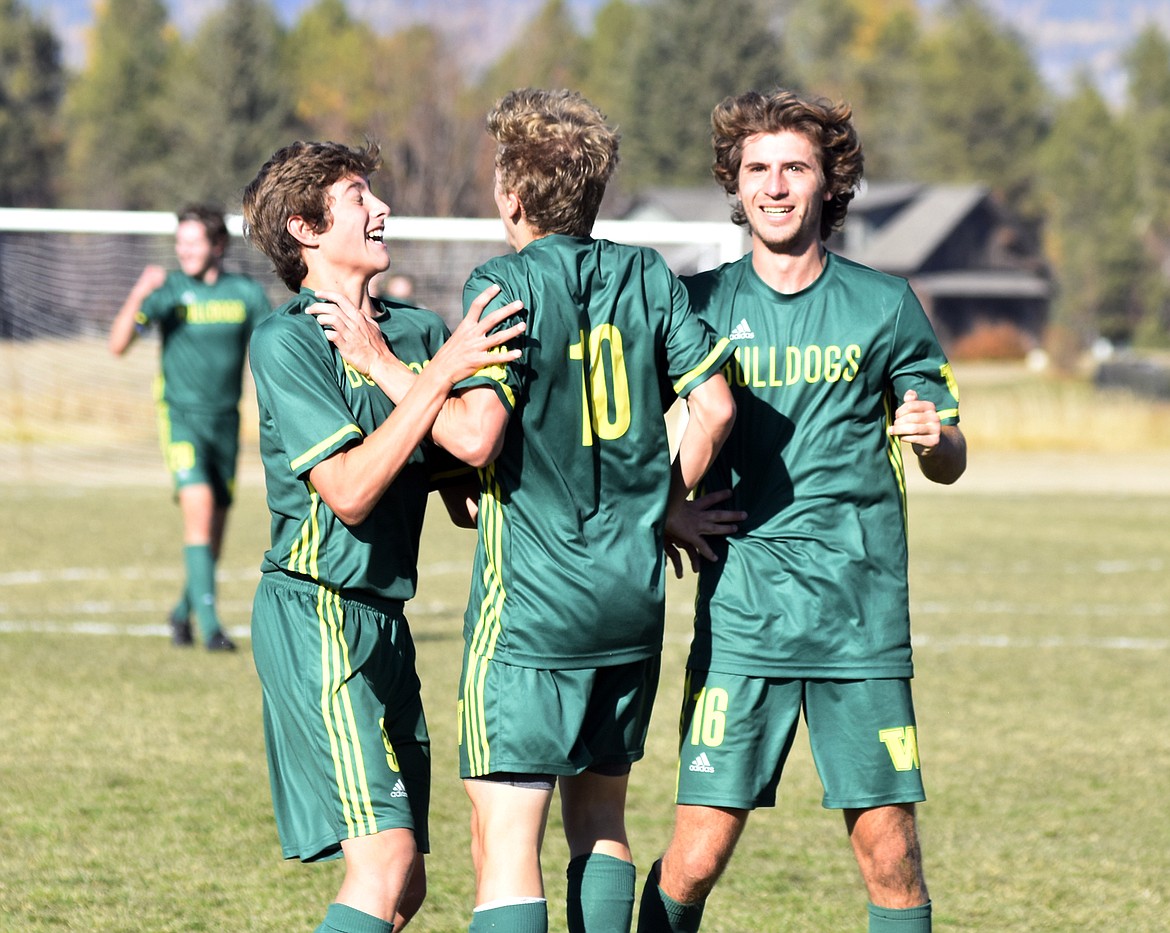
x=715 y=351
x=946 y=413
x=894 y=452
x=306 y=549
x=349 y=767
x=328 y=442
x=487 y=627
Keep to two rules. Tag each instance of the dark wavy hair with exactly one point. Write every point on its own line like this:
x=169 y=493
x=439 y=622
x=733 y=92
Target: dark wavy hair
x=827 y=125
x=212 y=220
x=295 y=183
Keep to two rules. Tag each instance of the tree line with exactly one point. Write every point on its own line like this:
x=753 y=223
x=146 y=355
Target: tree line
x=153 y=118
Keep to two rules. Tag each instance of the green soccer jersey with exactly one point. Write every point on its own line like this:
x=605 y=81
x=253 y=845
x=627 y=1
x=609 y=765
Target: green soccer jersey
x=205 y=331
x=814 y=582
x=569 y=566
x=312 y=404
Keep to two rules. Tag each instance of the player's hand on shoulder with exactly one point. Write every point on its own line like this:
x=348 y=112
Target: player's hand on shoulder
x=351 y=330
x=475 y=343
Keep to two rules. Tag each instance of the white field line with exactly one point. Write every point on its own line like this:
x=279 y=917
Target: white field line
x=90 y=617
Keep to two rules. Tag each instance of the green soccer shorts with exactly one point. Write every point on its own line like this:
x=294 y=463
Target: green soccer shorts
x=201 y=448
x=736 y=733
x=527 y=720
x=346 y=738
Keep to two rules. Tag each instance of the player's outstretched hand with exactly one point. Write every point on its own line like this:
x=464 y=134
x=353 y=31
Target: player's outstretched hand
x=150 y=279
x=691 y=521
x=916 y=421
x=473 y=345
x=355 y=334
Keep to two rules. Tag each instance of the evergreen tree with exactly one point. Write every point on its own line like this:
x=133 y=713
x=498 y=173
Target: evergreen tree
x=690 y=54
x=983 y=105
x=1148 y=116
x=115 y=110
x=31 y=84
x=864 y=52
x=1089 y=189
x=229 y=104
x=607 y=75
x=548 y=53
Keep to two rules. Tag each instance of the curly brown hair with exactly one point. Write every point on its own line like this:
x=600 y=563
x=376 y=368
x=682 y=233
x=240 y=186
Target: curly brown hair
x=295 y=183
x=827 y=125
x=556 y=152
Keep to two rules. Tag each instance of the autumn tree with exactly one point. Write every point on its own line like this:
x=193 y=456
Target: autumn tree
x=436 y=158
x=31 y=84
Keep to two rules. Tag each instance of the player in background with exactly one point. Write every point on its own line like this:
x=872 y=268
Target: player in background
x=564 y=624
x=347 y=474
x=836 y=366
x=206 y=316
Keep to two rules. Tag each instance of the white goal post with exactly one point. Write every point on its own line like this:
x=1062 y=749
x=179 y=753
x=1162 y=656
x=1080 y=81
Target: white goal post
x=72 y=413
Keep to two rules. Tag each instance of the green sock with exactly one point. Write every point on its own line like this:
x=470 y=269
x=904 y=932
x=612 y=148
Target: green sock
x=908 y=920
x=658 y=912
x=201 y=586
x=182 y=608
x=601 y=894
x=526 y=917
x=342 y=919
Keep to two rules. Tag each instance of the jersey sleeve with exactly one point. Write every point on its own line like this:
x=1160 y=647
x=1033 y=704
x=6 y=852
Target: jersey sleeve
x=503 y=379
x=158 y=305
x=297 y=388
x=692 y=355
x=918 y=362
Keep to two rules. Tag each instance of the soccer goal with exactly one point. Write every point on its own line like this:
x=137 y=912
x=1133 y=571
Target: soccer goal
x=72 y=413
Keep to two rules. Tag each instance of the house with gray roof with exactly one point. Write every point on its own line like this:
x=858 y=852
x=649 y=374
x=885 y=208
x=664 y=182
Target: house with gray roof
x=979 y=275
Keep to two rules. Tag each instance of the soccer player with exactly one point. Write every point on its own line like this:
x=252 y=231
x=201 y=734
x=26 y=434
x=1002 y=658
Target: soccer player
x=563 y=629
x=347 y=474
x=836 y=366
x=206 y=316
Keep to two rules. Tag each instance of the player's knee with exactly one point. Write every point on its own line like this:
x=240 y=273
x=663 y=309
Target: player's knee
x=688 y=874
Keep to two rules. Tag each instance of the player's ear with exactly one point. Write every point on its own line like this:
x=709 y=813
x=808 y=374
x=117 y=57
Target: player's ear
x=301 y=230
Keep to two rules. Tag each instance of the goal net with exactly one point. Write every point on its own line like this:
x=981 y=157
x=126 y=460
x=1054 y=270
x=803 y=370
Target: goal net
x=74 y=414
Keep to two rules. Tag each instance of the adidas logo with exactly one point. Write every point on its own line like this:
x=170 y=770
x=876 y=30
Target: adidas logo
x=702 y=764
x=741 y=331
x=399 y=789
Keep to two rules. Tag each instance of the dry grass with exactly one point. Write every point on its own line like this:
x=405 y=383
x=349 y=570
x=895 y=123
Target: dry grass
x=1007 y=408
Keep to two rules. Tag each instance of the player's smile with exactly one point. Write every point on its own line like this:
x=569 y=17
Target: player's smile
x=781 y=189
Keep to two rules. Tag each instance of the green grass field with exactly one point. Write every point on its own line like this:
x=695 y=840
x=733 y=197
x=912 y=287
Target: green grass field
x=133 y=788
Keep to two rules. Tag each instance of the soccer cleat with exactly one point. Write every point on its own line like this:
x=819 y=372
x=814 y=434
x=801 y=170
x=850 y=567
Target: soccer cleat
x=220 y=642
x=181 y=632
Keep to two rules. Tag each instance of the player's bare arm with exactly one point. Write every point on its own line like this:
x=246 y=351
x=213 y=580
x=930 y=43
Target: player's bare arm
x=711 y=414
x=124 y=329
x=941 y=448
x=353 y=480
